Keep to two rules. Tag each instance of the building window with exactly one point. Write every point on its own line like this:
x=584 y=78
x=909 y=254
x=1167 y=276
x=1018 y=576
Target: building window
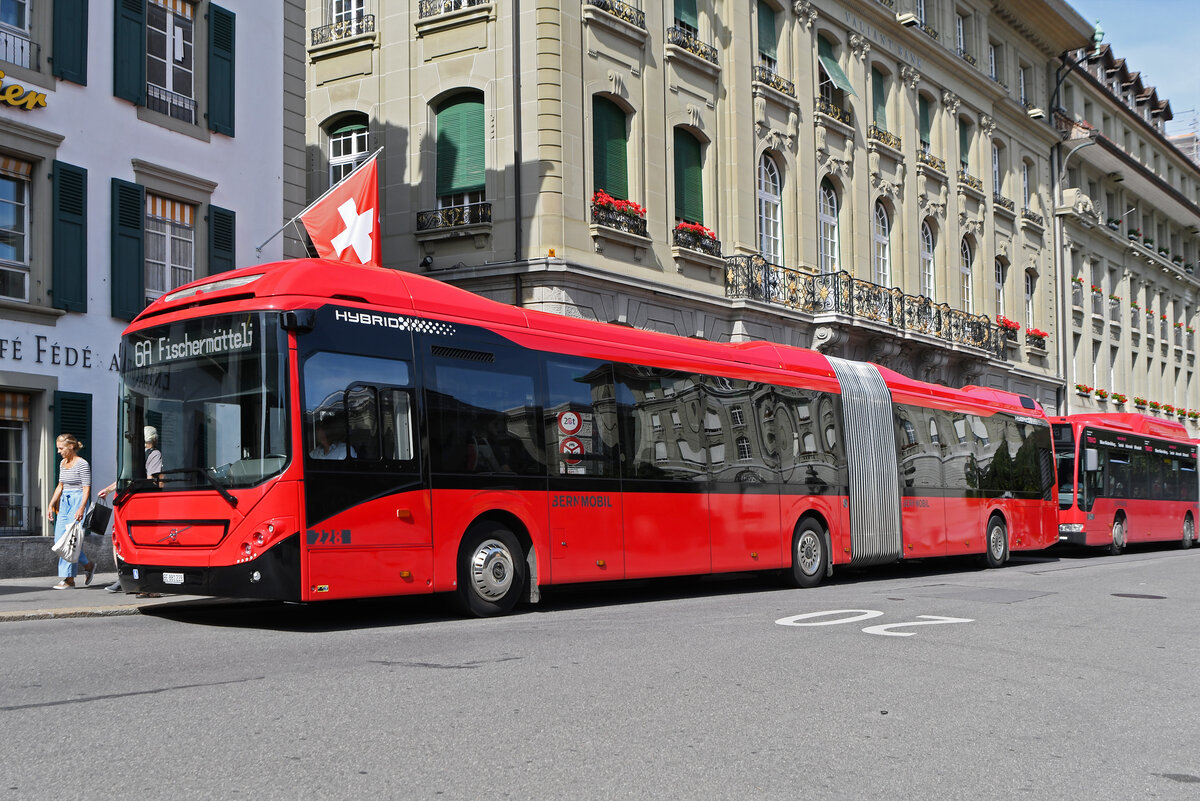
x=924 y=125
x=689 y=178
x=347 y=148
x=767 y=48
x=170 y=245
x=1001 y=272
x=964 y=277
x=833 y=84
x=927 y=243
x=827 y=225
x=997 y=184
x=735 y=416
x=964 y=144
x=686 y=17
x=14 y=228
x=170 y=59
x=881 y=247
x=1023 y=84
x=993 y=61
x=879 y=98
x=1025 y=188
x=347 y=11
x=921 y=11
x=743 y=449
x=15 y=515
x=15 y=47
x=460 y=151
x=770 y=211
x=960 y=33
x=610 y=148
x=1030 y=285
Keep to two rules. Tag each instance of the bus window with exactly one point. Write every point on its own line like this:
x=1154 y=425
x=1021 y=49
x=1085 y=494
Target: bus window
x=581 y=418
x=395 y=411
x=680 y=454
x=1064 y=456
x=341 y=407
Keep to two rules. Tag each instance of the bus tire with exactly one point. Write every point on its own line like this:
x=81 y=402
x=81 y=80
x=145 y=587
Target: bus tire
x=1118 y=537
x=1189 y=532
x=996 y=543
x=810 y=557
x=491 y=570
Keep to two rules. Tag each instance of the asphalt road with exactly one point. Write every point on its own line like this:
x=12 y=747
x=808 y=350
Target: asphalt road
x=1065 y=677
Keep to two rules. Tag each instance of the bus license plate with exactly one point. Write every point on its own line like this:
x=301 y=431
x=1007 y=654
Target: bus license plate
x=172 y=578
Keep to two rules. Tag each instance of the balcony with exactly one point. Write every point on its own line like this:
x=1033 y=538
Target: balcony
x=619 y=220
x=343 y=29
x=173 y=104
x=967 y=57
x=772 y=79
x=886 y=137
x=433 y=8
x=1000 y=201
x=19 y=50
x=634 y=16
x=833 y=111
x=1077 y=294
x=1097 y=302
x=930 y=32
x=451 y=217
x=691 y=240
x=754 y=278
x=1033 y=217
x=1114 y=310
x=684 y=40
x=930 y=160
x=970 y=181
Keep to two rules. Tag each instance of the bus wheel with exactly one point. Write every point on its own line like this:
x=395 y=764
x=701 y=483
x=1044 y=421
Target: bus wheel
x=1118 y=537
x=810 y=558
x=491 y=570
x=997 y=543
x=1189 y=533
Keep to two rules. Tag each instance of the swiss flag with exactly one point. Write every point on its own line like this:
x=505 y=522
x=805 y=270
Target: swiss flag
x=344 y=224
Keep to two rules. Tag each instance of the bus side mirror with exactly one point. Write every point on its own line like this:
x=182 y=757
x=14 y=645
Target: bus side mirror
x=1091 y=460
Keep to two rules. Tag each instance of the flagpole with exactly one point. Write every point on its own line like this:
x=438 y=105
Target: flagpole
x=258 y=250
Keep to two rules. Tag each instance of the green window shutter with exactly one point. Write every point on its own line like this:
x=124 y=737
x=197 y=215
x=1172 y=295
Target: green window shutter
x=68 y=255
x=879 y=98
x=685 y=12
x=609 y=152
x=129 y=51
x=923 y=115
x=832 y=68
x=73 y=415
x=70 y=40
x=766 y=30
x=460 y=142
x=221 y=232
x=220 y=70
x=689 y=179
x=128 y=249
x=964 y=143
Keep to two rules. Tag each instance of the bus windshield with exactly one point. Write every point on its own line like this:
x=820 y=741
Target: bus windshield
x=210 y=396
x=1064 y=457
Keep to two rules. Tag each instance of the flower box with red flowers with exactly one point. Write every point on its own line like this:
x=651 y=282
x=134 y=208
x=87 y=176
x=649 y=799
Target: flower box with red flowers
x=695 y=236
x=1117 y=397
x=1007 y=325
x=623 y=215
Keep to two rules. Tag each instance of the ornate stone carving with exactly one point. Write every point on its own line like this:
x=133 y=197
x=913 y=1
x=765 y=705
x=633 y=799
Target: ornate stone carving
x=933 y=205
x=859 y=46
x=950 y=101
x=987 y=125
x=805 y=13
x=969 y=224
x=826 y=338
x=695 y=117
x=931 y=363
x=616 y=84
x=910 y=76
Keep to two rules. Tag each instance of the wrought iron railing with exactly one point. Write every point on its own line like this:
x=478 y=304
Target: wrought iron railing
x=1033 y=217
x=967 y=179
x=772 y=79
x=343 y=29
x=881 y=135
x=1003 y=202
x=887 y=3
x=1077 y=294
x=967 y=57
x=694 y=241
x=930 y=32
x=611 y=218
x=634 y=16
x=834 y=111
x=754 y=278
x=930 y=160
x=1003 y=85
x=454 y=216
x=1097 y=303
x=19 y=50
x=431 y=8
x=17 y=521
x=173 y=104
x=683 y=38
x=1035 y=341
x=1114 y=310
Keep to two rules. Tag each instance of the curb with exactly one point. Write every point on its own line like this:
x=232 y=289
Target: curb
x=51 y=614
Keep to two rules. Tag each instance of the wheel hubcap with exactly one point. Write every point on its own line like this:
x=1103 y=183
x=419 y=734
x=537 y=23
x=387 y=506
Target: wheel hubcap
x=997 y=542
x=808 y=553
x=1118 y=535
x=491 y=570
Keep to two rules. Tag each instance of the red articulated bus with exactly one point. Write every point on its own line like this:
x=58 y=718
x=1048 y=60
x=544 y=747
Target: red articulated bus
x=330 y=431
x=1124 y=478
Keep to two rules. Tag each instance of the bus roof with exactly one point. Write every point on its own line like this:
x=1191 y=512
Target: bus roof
x=308 y=283
x=1128 y=421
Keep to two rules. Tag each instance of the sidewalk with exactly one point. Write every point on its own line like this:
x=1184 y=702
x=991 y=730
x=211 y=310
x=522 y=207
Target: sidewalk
x=33 y=599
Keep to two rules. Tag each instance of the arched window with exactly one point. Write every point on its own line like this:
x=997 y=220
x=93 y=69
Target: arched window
x=964 y=276
x=770 y=211
x=689 y=178
x=610 y=148
x=827 y=228
x=347 y=146
x=1001 y=274
x=927 y=244
x=460 y=150
x=881 y=246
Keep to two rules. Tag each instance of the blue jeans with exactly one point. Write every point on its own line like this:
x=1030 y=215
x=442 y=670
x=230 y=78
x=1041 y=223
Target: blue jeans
x=68 y=505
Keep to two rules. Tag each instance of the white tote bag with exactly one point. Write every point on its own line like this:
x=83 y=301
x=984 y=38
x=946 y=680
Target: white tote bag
x=70 y=544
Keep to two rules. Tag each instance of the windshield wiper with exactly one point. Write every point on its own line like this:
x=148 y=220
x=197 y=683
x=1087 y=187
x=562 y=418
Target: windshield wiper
x=210 y=478
x=126 y=492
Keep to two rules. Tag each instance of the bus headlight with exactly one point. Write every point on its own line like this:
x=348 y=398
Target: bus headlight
x=1070 y=528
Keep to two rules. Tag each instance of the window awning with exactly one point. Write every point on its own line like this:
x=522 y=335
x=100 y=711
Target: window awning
x=15 y=168
x=14 y=406
x=835 y=73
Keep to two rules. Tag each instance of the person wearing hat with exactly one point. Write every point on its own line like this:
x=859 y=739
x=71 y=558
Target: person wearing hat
x=154 y=466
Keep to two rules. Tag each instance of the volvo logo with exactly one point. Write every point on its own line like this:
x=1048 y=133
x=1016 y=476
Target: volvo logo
x=172 y=537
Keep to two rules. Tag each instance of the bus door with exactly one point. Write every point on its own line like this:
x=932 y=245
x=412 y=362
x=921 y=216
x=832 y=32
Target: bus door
x=367 y=507
x=921 y=442
x=968 y=473
x=743 y=460
x=664 y=471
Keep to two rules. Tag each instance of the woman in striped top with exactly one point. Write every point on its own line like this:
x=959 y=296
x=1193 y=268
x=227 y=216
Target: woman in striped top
x=68 y=504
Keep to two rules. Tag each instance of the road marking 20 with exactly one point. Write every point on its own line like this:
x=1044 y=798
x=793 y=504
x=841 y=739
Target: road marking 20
x=825 y=618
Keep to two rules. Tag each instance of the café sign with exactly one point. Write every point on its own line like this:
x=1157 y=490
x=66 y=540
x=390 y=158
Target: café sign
x=16 y=95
